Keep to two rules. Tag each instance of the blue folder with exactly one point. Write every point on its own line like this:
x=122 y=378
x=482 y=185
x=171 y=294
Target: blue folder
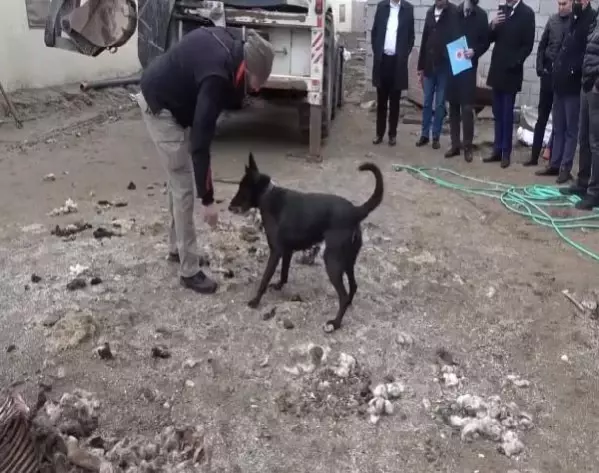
x=459 y=62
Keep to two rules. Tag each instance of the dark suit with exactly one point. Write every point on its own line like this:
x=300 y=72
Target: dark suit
x=390 y=72
x=461 y=89
x=514 y=39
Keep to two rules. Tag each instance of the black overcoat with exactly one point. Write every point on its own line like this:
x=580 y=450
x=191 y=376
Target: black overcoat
x=475 y=27
x=514 y=40
x=403 y=47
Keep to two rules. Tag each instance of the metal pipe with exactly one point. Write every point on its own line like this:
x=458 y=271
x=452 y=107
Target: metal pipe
x=103 y=84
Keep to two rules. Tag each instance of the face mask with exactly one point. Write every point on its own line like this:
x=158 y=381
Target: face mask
x=577 y=8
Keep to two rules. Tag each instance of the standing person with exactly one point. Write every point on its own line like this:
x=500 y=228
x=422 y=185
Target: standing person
x=434 y=69
x=392 y=39
x=587 y=183
x=567 y=77
x=513 y=32
x=183 y=92
x=472 y=22
x=549 y=46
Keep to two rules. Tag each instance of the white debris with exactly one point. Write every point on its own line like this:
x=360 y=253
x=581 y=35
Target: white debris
x=423 y=258
x=485 y=427
x=376 y=406
x=395 y=390
x=491 y=291
x=472 y=405
x=346 y=365
x=565 y=358
x=510 y=444
x=380 y=391
x=77 y=269
x=518 y=381
x=426 y=404
x=189 y=383
x=374 y=419
x=451 y=379
x=405 y=340
x=49 y=177
x=69 y=207
x=190 y=363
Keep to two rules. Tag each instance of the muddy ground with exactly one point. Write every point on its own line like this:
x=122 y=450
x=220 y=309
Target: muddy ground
x=442 y=277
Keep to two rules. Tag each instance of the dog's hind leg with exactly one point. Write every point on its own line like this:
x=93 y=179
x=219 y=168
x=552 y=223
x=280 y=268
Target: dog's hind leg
x=335 y=270
x=284 y=271
x=271 y=266
x=351 y=277
x=353 y=286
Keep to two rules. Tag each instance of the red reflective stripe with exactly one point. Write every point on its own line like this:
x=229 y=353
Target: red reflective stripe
x=240 y=73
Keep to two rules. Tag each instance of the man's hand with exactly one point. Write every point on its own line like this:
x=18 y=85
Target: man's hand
x=420 y=78
x=500 y=18
x=211 y=215
x=469 y=53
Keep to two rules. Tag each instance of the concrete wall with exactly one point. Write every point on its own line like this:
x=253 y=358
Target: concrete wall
x=353 y=22
x=25 y=61
x=530 y=88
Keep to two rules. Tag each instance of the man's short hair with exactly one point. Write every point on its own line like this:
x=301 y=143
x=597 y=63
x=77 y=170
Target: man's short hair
x=259 y=55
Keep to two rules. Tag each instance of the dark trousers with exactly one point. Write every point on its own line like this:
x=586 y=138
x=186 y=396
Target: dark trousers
x=503 y=115
x=566 y=113
x=461 y=115
x=387 y=97
x=588 y=167
x=543 y=112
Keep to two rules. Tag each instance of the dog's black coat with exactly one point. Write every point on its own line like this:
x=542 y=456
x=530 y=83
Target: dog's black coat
x=295 y=221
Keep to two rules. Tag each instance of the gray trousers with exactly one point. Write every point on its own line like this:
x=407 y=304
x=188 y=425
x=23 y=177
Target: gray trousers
x=566 y=114
x=588 y=167
x=172 y=144
x=461 y=115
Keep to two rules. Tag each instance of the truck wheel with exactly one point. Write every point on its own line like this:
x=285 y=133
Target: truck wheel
x=328 y=68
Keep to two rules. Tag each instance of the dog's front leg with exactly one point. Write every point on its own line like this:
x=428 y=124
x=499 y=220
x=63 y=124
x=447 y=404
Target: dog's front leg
x=284 y=271
x=271 y=266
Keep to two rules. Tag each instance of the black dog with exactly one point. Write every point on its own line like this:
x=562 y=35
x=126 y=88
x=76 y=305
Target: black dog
x=296 y=221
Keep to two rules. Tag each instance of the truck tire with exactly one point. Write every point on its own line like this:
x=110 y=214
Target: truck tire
x=327 y=74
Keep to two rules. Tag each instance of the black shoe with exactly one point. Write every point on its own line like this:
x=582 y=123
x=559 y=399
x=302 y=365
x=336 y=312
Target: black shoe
x=392 y=141
x=574 y=189
x=452 y=152
x=548 y=171
x=378 y=140
x=436 y=144
x=423 y=140
x=494 y=158
x=589 y=202
x=564 y=176
x=531 y=162
x=174 y=258
x=468 y=154
x=200 y=283
x=505 y=161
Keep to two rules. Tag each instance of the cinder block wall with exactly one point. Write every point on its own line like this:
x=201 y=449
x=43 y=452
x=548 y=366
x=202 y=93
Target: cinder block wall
x=543 y=9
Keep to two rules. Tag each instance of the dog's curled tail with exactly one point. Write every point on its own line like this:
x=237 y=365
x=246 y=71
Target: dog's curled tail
x=377 y=196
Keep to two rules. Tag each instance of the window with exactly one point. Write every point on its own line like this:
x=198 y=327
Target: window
x=342 y=13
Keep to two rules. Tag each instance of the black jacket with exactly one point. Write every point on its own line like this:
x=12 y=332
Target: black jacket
x=590 y=63
x=435 y=36
x=551 y=42
x=403 y=46
x=567 y=67
x=514 y=40
x=193 y=80
x=475 y=27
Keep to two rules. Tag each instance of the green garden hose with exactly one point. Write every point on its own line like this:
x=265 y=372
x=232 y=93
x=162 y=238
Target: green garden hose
x=533 y=201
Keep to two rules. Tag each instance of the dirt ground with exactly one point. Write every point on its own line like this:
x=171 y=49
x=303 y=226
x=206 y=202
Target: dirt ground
x=440 y=276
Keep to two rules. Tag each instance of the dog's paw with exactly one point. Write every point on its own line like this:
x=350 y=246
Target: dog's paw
x=254 y=303
x=331 y=326
x=277 y=286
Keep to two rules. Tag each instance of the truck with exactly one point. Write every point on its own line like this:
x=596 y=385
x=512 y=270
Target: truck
x=308 y=66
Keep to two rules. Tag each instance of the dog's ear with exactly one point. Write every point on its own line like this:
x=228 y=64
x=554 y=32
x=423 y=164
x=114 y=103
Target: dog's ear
x=252 y=164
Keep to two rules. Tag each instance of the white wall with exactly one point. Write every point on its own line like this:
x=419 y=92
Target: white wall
x=26 y=62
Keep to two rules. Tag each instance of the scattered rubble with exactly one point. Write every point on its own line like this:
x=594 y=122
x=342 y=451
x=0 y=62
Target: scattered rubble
x=104 y=351
x=101 y=232
x=131 y=186
x=489 y=419
x=381 y=403
x=517 y=381
x=76 y=284
x=35 y=278
x=270 y=314
x=71 y=330
x=96 y=280
x=49 y=177
x=69 y=207
x=70 y=230
x=160 y=351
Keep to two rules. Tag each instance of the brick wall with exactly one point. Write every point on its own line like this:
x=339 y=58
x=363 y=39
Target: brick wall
x=530 y=87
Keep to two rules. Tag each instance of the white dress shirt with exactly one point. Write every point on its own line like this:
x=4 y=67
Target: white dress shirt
x=392 y=25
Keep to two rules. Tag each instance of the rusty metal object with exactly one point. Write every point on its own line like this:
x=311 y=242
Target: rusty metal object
x=11 y=107
x=103 y=84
